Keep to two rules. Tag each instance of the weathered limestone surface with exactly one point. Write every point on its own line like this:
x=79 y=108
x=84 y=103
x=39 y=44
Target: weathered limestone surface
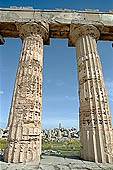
x=57 y=163
x=94 y=114
x=58 y=19
x=24 y=141
x=82 y=28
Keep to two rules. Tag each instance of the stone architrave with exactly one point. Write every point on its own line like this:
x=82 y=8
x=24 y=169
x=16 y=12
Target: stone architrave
x=94 y=114
x=24 y=141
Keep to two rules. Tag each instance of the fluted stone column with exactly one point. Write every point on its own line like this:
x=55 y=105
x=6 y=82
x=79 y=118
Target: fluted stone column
x=24 y=141
x=94 y=115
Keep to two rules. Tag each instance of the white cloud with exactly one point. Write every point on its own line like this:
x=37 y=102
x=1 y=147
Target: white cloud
x=59 y=83
x=1 y=92
x=48 y=81
x=71 y=98
x=109 y=86
x=3 y=124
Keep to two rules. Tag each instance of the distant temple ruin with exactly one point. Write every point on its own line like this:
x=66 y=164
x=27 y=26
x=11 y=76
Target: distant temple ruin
x=35 y=28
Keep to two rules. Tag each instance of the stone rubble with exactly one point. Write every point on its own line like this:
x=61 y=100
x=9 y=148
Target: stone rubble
x=4 y=132
x=60 y=134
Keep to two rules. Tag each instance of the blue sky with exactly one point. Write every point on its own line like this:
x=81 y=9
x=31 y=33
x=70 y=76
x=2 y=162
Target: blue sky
x=60 y=85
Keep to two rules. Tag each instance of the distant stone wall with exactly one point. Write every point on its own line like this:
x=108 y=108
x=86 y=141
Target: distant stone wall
x=59 y=134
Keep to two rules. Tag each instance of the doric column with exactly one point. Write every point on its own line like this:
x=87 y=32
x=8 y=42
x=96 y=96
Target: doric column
x=94 y=114
x=24 y=141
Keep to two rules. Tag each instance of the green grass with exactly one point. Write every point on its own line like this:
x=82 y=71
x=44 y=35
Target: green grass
x=2 y=143
x=67 y=147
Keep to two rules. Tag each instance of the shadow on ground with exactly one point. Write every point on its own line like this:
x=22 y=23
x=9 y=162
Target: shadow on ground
x=62 y=156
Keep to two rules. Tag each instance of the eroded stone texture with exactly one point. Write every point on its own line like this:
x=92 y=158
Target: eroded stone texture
x=2 y=41
x=57 y=163
x=94 y=114
x=24 y=141
x=59 y=21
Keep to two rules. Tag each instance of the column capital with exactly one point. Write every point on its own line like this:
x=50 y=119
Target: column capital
x=76 y=32
x=32 y=29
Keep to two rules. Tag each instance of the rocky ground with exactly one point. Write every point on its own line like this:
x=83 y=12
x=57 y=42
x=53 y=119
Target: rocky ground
x=57 y=163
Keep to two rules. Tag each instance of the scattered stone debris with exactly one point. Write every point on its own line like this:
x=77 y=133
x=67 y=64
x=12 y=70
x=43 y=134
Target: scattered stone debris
x=4 y=132
x=50 y=152
x=57 y=163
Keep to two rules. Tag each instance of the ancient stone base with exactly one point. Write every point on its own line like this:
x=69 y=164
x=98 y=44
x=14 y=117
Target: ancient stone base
x=57 y=163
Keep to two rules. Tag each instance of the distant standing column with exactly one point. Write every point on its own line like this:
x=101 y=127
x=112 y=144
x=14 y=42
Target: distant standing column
x=24 y=141
x=94 y=114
